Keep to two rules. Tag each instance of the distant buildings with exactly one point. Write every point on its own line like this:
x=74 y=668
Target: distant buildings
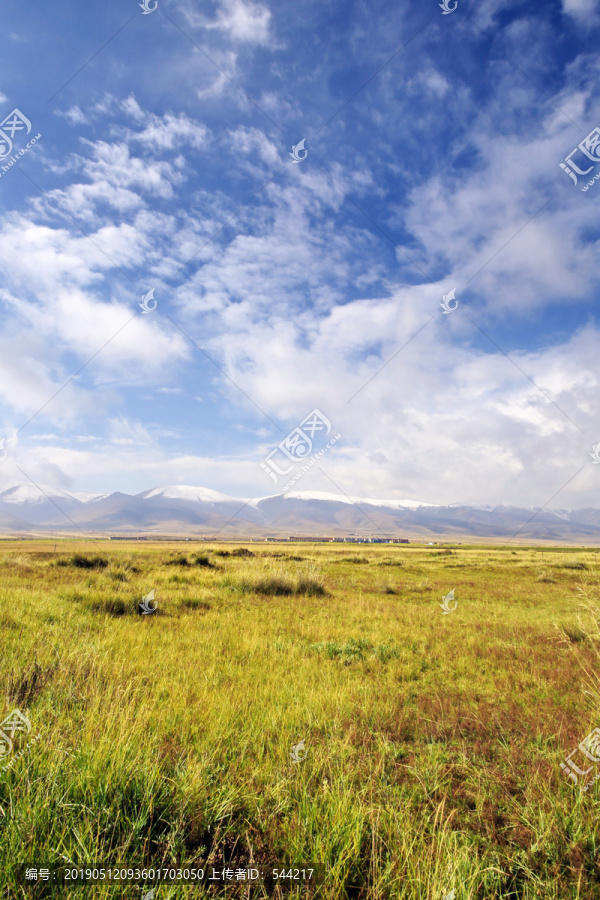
x=344 y=540
x=311 y=539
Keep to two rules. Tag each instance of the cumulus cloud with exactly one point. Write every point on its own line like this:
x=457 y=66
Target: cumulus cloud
x=243 y=21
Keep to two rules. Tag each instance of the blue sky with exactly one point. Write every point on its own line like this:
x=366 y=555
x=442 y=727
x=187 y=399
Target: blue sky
x=434 y=143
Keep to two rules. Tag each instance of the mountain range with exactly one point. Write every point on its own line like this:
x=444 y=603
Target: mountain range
x=26 y=509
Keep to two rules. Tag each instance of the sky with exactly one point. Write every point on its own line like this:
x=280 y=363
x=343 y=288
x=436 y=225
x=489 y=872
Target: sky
x=429 y=145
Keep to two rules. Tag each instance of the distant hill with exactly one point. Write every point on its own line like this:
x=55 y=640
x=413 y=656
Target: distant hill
x=198 y=511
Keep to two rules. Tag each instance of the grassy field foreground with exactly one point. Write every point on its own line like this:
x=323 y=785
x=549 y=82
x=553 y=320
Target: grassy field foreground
x=433 y=741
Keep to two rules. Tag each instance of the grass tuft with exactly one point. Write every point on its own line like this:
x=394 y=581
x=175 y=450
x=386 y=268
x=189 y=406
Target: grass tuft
x=574 y=634
x=194 y=603
x=113 y=606
x=79 y=561
x=203 y=561
x=285 y=586
x=310 y=587
x=354 y=650
x=272 y=587
x=179 y=560
x=546 y=578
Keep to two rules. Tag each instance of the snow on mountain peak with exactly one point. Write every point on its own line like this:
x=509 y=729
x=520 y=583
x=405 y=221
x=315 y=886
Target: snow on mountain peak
x=30 y=493
x=342 y=498
x=186 y=492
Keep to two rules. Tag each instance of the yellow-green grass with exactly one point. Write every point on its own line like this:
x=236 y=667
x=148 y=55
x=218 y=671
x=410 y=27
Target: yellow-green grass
x=433 y=742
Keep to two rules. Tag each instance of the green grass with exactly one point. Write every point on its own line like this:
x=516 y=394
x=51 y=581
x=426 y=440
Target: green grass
x=433 y=742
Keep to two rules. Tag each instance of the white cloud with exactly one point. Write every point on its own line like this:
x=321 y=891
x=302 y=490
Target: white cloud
x=581 y=10
x=170 y=131
x=123 y=431
x=215 y=88
x=295 y=303
x=245 y=21
x=464 y=426
x=73 y=115
x=52 y=284
x=245 y=140
x=241 y=20
x=435 y=82
x=487 y=10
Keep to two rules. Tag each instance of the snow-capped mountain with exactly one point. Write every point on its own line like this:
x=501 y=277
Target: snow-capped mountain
x=185 y=492
x=189 y=510
x=29 y=493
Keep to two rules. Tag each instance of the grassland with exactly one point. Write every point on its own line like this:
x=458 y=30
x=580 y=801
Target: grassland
x=432 y=741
